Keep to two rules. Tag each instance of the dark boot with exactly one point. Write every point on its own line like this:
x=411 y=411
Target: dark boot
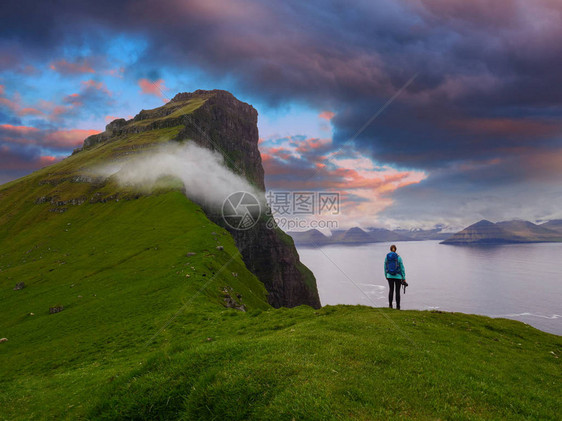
x=390 y=305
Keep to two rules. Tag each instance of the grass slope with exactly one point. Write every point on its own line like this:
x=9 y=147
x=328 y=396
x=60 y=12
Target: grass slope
x=339 y=362
x=120 y=274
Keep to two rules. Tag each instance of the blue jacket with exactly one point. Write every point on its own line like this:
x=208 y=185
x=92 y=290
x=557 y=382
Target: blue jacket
x=401 y=275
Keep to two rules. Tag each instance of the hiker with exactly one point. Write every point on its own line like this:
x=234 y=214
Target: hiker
x=395 y=275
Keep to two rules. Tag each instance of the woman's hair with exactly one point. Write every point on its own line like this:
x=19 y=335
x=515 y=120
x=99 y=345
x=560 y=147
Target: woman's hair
x=393 y=248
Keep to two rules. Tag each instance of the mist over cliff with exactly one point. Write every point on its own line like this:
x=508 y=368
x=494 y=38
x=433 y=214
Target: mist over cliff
x=205 y=177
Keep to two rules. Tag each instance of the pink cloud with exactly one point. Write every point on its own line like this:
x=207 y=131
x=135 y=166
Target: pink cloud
x=68 y=138
x=47 y=109
x=73 y=99
x=10 y=160
x=155 y=88
x=115 y=72
x=309 y=149
x=72 y=68
x=326 y=115
x=26 y=135
x=58 y=111
x=92 y=84
x=48 y=160
x=15 y=106
x=29 y=111
x=309 y=164
x=280 y=152
x=90 y=92
x=18 y=130
x=8 y=103
x=110 y=118
x=312 y=144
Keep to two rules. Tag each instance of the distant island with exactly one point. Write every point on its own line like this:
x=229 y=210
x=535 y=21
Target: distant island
x=482 y=232
x=506 y=232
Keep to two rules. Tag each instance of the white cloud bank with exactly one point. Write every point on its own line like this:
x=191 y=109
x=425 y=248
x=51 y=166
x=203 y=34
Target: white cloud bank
x=203 y=173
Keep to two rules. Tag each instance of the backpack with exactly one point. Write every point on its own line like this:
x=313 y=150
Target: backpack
x=392 y=264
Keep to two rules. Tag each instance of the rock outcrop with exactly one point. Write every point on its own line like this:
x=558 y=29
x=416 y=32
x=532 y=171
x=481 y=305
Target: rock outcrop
x=19 y=286
x=270 y=254
x=228 y=126
x=214 y=119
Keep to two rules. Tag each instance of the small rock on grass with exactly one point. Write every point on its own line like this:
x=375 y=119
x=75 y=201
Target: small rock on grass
x=3 y=340
x=55 y=309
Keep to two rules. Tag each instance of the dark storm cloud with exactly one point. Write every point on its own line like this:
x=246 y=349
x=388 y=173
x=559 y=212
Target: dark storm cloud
x=18 y=160
x=489 y=82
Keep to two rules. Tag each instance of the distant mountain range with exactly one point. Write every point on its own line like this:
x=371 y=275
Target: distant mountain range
x=486 y=232
x=357 y=235
x=482 y=232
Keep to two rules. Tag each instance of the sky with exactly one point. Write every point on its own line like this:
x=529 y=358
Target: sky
x=417 y=112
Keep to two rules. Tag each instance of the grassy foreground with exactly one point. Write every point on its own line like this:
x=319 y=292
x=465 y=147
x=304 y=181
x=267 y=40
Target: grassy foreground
x=140 y=339
x=339 y=362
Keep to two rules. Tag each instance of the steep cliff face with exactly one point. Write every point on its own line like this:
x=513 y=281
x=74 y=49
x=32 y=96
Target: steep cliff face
x=217 y=120
x=228 y=126
x=270 y=254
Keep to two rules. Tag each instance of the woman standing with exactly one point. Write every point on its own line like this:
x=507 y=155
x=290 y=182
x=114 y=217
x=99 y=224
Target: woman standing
x=395 y=274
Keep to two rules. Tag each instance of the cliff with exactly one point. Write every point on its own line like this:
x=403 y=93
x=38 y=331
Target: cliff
x=214 y=119
x=218 y=121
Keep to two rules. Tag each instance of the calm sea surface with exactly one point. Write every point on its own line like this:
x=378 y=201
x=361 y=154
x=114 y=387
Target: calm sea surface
x=516 y=281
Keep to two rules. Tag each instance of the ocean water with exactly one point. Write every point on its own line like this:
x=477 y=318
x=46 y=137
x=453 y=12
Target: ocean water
x=515 y=281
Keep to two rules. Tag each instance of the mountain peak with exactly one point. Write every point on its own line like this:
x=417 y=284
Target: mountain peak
x=200 y=93
x=355 y=230
x=482 y=223
x=214 y=119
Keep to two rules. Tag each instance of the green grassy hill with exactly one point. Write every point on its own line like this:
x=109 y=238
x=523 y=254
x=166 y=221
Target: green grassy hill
x=145 y=333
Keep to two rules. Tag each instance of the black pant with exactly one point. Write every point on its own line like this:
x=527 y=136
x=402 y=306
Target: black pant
x=394 y=284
